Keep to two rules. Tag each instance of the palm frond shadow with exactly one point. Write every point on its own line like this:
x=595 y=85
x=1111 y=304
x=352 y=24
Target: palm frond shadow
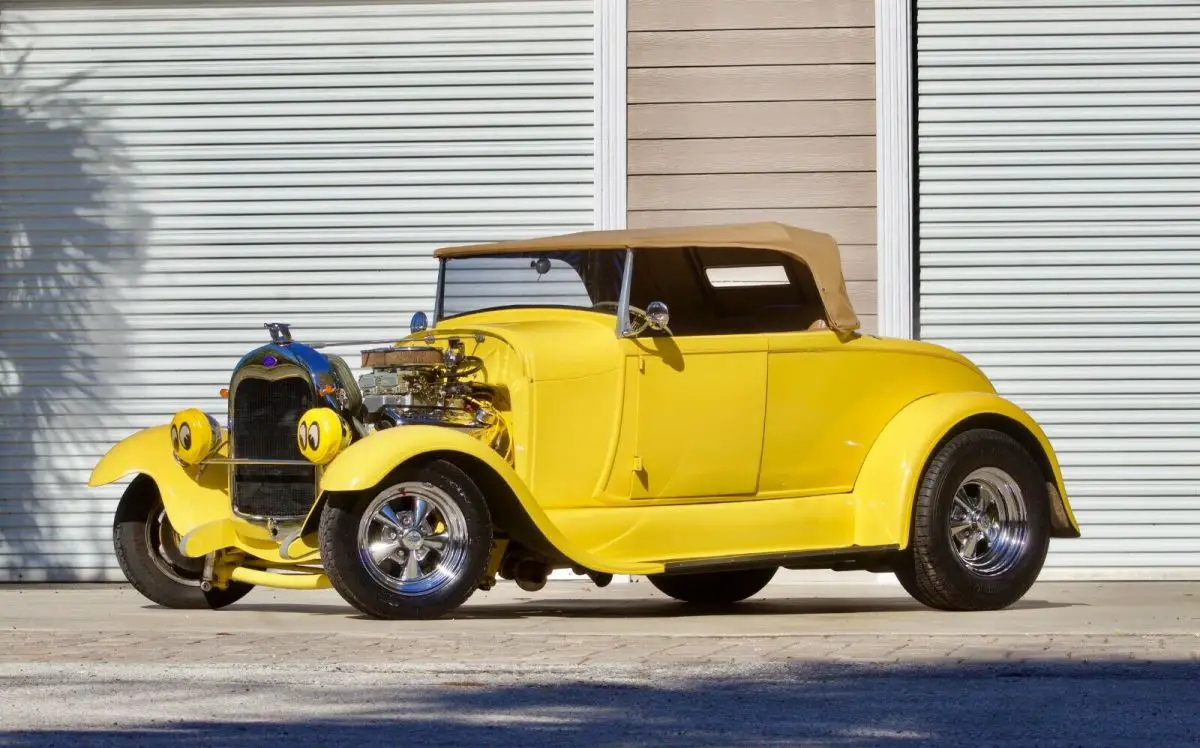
x=72 y=238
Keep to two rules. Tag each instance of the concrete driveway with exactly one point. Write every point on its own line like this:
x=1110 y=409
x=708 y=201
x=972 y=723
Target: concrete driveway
x=857 y=664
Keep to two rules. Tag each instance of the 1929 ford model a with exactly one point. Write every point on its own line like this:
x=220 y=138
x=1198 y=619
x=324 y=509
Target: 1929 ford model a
x=694 y=405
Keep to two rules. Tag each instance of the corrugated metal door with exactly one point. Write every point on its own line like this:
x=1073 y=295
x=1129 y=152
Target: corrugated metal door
x=1059 y=202
x=175 y=174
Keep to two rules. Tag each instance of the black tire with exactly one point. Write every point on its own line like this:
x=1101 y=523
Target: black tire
x=931 y=569
x=713 y=588
x=171 y=580
x=365 y=584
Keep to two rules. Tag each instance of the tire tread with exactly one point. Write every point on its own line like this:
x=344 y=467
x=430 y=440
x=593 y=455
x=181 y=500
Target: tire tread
x=918 y=568
x=714 y=588
x=339 y=520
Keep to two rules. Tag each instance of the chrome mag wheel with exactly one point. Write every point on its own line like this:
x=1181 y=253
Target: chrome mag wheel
x=988 y=522
x=163 y=544
x=147 y=550
x=981 y=524
x=412 y=539
x=415 y=548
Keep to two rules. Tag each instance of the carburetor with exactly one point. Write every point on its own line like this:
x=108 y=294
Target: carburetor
x=417 y=384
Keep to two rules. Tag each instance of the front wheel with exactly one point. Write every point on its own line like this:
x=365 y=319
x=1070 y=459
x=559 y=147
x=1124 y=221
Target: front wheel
x=414 y=548
x=713 y=588
x=980 y=526
x=147 y=549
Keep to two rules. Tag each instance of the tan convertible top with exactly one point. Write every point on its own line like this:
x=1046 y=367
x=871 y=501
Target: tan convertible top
x=819 y=252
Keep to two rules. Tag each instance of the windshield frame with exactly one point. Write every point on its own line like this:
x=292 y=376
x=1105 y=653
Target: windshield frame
x=623 y=328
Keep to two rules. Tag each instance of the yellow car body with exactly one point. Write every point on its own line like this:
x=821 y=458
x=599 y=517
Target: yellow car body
x=644 y=455
x=812 y=459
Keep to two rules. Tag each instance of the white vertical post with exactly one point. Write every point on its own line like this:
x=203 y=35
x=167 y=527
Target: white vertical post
x=894 y=165
x=610 y=131
x=609 y=137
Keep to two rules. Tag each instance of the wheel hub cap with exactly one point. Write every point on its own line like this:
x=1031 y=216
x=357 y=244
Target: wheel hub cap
x=412 y=539
x=988 y=522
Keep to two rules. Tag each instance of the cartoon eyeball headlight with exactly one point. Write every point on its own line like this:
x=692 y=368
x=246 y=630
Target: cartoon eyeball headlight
x=194 y=435
x=321 y=434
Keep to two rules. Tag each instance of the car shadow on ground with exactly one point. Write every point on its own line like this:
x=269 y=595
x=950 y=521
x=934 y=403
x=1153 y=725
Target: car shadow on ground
x=627 y=609
x=1052 y=703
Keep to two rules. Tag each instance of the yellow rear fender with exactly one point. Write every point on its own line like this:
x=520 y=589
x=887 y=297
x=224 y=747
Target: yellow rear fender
x=192 y=497
x=887 y=483
x=367 y=463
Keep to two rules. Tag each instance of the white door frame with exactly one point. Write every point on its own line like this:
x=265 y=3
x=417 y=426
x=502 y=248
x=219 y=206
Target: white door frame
x=611 y=21
x=894 y=147
x=609 y=171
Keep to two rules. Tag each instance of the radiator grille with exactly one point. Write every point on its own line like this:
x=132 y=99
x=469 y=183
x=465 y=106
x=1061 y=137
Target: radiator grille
x=265 y=416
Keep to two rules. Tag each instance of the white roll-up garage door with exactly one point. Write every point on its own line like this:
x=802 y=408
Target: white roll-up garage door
x=1059 y=247
x=174 y=174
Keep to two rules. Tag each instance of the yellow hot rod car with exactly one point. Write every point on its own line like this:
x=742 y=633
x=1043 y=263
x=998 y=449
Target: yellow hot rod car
x=693 y=405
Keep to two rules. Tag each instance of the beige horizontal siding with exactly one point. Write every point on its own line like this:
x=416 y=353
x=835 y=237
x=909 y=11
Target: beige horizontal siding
x=755 y=47
x=750 y=155
x=753 y=119
x=749 y=110
x=700 y=191
x=862 y=294
x=694 y=15
x=755 y=83
x=852 y=226
x=858 y=263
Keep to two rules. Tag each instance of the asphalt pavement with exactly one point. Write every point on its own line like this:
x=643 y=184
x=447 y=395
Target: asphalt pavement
x=831 y=665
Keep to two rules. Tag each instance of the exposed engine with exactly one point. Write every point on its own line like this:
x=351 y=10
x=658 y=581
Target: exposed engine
x=425 y=385
x=291 y=403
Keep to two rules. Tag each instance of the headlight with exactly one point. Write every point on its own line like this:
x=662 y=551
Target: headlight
x=321 y=434
x=194 y=435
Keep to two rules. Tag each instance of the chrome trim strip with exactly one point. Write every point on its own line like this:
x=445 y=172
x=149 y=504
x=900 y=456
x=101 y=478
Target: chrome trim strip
x=265 y=521
x=261 y=463
x=305 y=365
x=329 y=344
x=285 y=370
x=623 y=326
x=439 y=297
x=454 y=418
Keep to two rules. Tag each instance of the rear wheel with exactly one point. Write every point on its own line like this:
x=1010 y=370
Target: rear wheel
x=713 y=588
x=981 y=525
x=415 y=548
x=147 y=549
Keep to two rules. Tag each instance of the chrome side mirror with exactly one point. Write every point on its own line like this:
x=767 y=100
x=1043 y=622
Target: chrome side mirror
x=658 y=316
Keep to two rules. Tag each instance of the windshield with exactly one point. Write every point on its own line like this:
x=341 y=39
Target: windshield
x=573 y=280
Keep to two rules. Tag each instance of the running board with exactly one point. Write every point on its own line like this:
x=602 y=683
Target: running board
x=854 y=557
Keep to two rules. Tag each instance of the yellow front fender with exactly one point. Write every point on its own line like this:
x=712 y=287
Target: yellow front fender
x=887 y=483
x=190 y=501
x=369 y=461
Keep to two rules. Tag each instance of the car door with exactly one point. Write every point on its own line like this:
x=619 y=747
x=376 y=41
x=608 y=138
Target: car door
x=817 y=423
x=700 y=405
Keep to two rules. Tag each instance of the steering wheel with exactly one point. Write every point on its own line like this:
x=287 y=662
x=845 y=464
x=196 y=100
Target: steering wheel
x=616 y=307
x=642 y=323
